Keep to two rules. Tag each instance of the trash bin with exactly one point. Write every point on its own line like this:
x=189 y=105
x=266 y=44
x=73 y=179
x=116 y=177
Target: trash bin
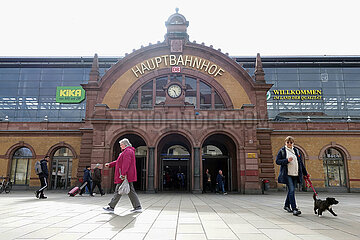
x=265 y=185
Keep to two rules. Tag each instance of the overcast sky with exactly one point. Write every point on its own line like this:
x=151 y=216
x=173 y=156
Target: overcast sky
x=241 y=28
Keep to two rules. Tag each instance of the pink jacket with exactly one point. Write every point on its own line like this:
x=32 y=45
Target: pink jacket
x=125 y=163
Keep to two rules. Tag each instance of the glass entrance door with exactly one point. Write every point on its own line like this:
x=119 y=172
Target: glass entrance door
x=334 y=168
x=20 y=171
x=176 y=173
x=61 y=173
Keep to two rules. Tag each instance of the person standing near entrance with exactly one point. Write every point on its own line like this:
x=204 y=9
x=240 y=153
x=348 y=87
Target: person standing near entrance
x=125 y=167
x=97 y=179
x=292 y=170
x=43 y=176
x=207 y=181
x=220 y=182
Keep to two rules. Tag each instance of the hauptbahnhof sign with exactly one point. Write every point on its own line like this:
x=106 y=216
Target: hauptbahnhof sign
x=178 y=60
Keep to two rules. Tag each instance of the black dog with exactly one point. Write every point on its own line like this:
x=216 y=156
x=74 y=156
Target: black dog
x=322 y=205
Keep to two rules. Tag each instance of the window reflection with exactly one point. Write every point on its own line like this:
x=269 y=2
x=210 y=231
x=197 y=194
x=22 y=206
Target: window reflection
x=33 y=89
x=203 y=97
x=338 y=84
x=20 y=166
x=333 y=164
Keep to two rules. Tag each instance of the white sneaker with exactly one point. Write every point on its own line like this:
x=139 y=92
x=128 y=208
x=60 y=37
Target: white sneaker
x=109 y=209
x=138 y=209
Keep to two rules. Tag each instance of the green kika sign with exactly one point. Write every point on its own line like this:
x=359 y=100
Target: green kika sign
x=70 y=94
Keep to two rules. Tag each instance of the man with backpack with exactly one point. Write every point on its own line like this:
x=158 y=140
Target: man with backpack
x=41 y=170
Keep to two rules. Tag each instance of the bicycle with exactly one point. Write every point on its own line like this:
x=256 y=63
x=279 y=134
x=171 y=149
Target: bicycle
x=5 y=185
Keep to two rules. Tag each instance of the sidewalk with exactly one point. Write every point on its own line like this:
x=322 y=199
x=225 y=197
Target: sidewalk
x=175 y=216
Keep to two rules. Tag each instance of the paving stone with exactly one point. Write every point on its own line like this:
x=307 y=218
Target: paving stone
x=175 y=216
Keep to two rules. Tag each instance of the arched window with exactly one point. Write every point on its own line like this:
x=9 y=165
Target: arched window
x=197 y=93
x=333 y=163
x=61 y=169
x=21 y=167
x=141 y=151
x=211 y=150
x=176 y=150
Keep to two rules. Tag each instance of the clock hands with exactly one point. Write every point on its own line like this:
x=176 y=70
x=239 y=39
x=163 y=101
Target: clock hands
x=174 y=91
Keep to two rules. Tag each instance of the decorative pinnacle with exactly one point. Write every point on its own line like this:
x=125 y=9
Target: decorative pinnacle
x=177 y=10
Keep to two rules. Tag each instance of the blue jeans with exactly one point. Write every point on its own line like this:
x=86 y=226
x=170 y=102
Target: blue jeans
x=290 y=198
x=221 y=187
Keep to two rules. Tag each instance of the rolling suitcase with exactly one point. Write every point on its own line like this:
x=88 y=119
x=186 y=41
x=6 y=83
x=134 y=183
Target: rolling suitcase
x=76 y=190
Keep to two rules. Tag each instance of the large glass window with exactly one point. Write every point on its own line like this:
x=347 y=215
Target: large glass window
x=147 y=95
x=191 y=90
x=134 y=101
x=338 y=84
x=20 y=166
x=197 y=93
x=160 y=93
x=33 y=91
x=205 y=96
x=333 y=163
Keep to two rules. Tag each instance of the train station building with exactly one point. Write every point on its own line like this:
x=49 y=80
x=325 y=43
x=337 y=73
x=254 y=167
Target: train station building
x=185 y=107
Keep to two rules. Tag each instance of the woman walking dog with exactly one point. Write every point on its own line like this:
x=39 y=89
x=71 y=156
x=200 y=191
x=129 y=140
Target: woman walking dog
x=292 y=170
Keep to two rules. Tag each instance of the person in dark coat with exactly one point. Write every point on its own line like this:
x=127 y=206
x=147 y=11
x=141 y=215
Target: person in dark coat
x=220 y=182
x=43 y=176
x=292 y=171
x=125 y=167
x=97 y=179
x=87 y=179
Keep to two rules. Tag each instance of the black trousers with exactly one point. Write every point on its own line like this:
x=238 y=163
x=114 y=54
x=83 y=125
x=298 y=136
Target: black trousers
x=98 y=184
x=207 y=186
x=43 y=181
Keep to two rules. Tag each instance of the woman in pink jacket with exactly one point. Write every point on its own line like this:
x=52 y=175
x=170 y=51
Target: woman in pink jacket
x=125 y=166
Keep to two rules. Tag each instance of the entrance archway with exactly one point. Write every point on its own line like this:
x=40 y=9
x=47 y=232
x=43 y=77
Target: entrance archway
x=219 y=153
x=334 y=168
x=141 y=157
x=174 y=158
x=20 y=166
x=61 y=169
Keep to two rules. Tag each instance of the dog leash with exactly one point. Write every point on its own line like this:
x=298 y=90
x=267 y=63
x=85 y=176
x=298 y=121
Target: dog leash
x=309 y=184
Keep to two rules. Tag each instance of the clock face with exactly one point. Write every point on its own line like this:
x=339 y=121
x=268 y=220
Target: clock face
x=174 y=91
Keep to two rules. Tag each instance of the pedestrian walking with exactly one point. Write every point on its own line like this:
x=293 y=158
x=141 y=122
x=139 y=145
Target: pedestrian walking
x=292 y=170
x=125 y=167
x=88 y=180
x=97 y=179
x=43 y=176
x=220 y=182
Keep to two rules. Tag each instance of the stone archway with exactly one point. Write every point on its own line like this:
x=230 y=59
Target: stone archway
x=219 y=153
x=140 y=154
x=174 y=153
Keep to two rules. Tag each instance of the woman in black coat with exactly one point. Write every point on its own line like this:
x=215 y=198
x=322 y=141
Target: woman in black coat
x=292 y=171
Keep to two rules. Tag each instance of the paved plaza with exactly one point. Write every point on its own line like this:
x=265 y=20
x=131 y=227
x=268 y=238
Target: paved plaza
x=175 y=216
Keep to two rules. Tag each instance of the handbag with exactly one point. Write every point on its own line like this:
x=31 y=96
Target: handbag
x=124 y=187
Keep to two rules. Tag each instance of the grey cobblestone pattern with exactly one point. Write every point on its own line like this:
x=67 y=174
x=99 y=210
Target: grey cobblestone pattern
x=175 y=216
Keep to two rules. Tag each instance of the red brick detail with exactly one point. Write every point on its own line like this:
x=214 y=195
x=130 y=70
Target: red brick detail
x=249 y=173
